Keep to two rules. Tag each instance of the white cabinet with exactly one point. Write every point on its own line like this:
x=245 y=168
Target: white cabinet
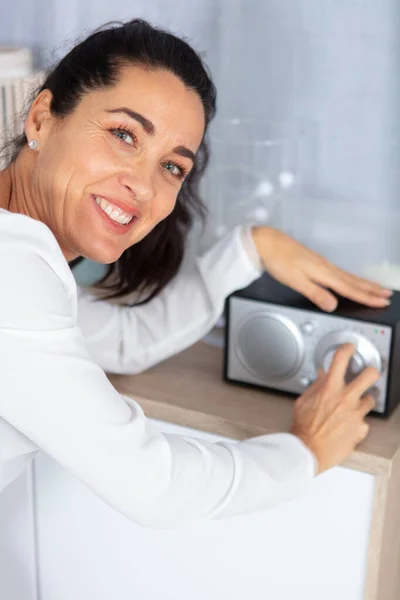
x=312 y=548
x=17 y=546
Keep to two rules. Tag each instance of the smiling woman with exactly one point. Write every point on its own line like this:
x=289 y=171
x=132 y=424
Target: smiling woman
x=121 y=168
x=108 y=168
x=130 y=115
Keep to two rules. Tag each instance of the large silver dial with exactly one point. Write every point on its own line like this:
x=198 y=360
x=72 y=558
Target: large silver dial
x=366 y=354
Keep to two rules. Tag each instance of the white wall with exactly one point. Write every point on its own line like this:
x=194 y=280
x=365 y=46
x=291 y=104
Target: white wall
x=333 y=63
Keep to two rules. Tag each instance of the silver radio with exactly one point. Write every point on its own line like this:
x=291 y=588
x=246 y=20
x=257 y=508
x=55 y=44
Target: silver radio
x=277 y=339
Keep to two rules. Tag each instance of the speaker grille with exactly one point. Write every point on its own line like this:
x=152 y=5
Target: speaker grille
x=269 y=346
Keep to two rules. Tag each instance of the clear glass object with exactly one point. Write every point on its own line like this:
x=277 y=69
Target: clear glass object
x=253 y=177
x=253 y=173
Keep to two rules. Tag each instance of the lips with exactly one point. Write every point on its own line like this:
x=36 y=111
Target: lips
x=126 y=208
x=118 y=218
x=117 y=211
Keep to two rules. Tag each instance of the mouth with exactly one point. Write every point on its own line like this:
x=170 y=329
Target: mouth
x=114 y=212
x=115 y=215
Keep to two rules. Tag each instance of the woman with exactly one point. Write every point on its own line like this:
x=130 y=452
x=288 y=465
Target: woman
x=107 y=168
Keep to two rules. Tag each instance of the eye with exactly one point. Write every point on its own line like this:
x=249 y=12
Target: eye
x=125 y=135
x=176 y=170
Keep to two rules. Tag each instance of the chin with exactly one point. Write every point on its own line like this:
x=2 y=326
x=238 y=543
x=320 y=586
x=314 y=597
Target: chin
x=104 y=258
x=101 y=254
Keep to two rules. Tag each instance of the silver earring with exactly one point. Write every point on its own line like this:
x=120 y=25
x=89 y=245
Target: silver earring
x=33 y=144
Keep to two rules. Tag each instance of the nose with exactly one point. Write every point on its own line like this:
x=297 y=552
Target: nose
x=140 y=183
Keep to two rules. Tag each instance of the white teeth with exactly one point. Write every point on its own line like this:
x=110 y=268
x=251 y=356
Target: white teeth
x=116 y=214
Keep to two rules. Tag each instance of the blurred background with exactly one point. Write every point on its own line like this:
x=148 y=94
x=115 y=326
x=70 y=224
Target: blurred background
x=307 y=133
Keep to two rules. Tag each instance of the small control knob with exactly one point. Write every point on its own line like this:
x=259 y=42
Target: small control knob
x=366 y=354
x=305 y=381
x=307 y=327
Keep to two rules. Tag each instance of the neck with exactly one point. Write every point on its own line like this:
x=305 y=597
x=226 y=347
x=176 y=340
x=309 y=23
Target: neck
x=16 y=193
x=5 y=188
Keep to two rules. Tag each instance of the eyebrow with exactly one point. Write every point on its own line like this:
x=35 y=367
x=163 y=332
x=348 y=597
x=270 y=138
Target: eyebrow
x=183 y=151
x=145 y=123
x=151 y=130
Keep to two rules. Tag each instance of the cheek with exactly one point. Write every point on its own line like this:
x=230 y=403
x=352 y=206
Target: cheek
x=52 y=175
x=163 y=206
x=93 y=163
x=84 y=158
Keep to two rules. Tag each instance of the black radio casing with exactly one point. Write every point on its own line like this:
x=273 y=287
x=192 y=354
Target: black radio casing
x=286 y=316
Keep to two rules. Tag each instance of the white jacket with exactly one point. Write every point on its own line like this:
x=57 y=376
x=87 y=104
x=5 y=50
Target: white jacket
x=54 y=395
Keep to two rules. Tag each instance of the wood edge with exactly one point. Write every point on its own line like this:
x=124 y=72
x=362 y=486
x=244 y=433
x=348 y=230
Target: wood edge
x=388 y=587
x=368 y=463
x=194 y=419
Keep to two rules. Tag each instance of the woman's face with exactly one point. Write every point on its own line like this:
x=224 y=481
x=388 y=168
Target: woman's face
x=109 y=172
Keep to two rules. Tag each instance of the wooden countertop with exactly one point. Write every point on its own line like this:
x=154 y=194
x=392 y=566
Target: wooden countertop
x=188 y=390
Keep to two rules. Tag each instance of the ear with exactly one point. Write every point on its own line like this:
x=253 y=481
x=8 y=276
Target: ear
x=39 y=120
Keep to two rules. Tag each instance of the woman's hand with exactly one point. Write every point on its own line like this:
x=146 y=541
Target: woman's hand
x=308 y=273
x=329 y=416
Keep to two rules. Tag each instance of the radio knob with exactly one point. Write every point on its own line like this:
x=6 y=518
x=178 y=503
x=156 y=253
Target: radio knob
x=366 y=354
x=305 y=381
x=307 y=327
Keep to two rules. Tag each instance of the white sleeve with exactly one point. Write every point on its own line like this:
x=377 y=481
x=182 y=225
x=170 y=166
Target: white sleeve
x=57 y=396
x=128 y=340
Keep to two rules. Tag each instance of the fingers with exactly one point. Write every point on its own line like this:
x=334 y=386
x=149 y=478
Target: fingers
x=365 y=380
x=340 y=363
x=318 y=295
x=337 y=371
x=355 y=288
x=362 y=431
x=367 y=286
x=367 y=403
x=362 y=296
x=313 y=281
x=337 y=374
